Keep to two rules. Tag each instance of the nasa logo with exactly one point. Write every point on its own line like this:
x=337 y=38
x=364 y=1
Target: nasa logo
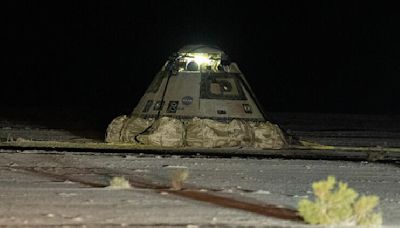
x=187 y=100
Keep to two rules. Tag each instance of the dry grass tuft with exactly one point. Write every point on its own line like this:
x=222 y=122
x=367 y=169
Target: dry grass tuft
x=119 y=183
x=178 y=175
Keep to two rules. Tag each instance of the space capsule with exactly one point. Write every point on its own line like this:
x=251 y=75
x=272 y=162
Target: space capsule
x=198 y=99
x=200 y=82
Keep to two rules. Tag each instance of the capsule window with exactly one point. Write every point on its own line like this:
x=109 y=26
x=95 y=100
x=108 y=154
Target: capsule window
x=221 y=86
x=192 y=66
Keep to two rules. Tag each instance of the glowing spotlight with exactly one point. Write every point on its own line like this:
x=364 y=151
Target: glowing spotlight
x=201 y=59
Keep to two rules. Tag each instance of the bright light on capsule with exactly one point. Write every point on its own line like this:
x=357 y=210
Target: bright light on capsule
x=201 y=60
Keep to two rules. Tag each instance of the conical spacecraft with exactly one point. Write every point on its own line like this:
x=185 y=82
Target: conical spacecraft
x=198 y=99
x=199 y=81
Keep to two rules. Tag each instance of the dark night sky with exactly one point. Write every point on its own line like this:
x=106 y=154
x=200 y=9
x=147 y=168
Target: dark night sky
x=298 y=56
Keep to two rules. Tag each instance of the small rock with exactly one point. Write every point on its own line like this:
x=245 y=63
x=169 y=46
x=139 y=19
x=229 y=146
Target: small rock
x=192 y=226
x=77 y=219
x=262 y=192
x=12 y=164
x=140 y=171
x=64 y=194
x=228 y=190
x=130 y=157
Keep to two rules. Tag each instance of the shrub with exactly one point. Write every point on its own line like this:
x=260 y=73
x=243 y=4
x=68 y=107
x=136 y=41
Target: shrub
x=119 y=183
x=340 y=205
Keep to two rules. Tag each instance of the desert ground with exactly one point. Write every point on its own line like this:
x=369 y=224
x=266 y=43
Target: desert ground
x=46 y=187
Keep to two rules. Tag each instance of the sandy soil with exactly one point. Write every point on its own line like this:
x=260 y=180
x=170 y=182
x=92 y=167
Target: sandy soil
x=31 y=199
